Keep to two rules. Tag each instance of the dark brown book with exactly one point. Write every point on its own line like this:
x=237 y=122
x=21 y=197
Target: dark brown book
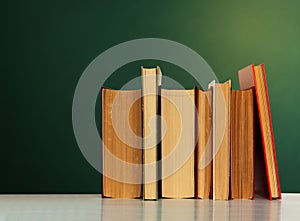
x=242 y=144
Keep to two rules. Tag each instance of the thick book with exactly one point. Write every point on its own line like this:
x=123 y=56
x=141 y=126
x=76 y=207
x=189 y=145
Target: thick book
x=178 y=143
x=203 y=162
x=221 y=94
x=255 y=76
x=122 y=144
x=242 y=144
x=151 y=81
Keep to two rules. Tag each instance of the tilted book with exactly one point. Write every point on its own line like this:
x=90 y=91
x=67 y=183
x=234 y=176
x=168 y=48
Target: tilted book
x=255 y=76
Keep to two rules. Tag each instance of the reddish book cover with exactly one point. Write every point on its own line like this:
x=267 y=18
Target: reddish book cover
x=246 y=81
x=271 y=128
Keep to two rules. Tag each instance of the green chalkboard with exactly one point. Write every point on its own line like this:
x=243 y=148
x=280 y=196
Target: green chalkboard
x=46 y=45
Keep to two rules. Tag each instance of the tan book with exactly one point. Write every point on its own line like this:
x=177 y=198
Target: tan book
x=151 y=80
x=204 y=144
x=178 y=143
x=242 y=144
x=122 y=143
x=221 y=139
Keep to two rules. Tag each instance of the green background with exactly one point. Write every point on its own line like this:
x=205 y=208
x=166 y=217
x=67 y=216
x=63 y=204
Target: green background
x=46 y=45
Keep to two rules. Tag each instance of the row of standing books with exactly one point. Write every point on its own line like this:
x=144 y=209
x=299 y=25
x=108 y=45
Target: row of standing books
x=210 y=144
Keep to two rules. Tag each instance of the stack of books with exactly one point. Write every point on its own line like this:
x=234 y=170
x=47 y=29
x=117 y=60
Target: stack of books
x=209 y=144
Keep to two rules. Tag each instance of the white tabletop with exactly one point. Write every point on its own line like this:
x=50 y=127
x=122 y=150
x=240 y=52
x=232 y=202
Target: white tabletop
x=93 y=207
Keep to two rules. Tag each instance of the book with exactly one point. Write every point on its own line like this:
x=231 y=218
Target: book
x=192 y=143
x=255 y=76
x=178 y=143
x=242 y=144
x=151 y=81
x=203 y=166
x=122 y=145
x=221 y=139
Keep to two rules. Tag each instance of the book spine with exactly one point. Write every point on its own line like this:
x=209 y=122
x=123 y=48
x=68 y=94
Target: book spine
x=150 y=78
x=211 y=87
x=253 y=193
x=196 y=140
x=159 y=136
x=102 y=130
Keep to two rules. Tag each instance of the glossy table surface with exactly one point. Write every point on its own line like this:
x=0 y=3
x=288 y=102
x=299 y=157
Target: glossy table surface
x=93 y=207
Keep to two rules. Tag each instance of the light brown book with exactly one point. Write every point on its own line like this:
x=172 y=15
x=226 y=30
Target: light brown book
x=178 y=143
x=221 y=139
x=151 y=80
x=204 y=144
x=122 y=143
x=242 y=144
x=267 y=178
